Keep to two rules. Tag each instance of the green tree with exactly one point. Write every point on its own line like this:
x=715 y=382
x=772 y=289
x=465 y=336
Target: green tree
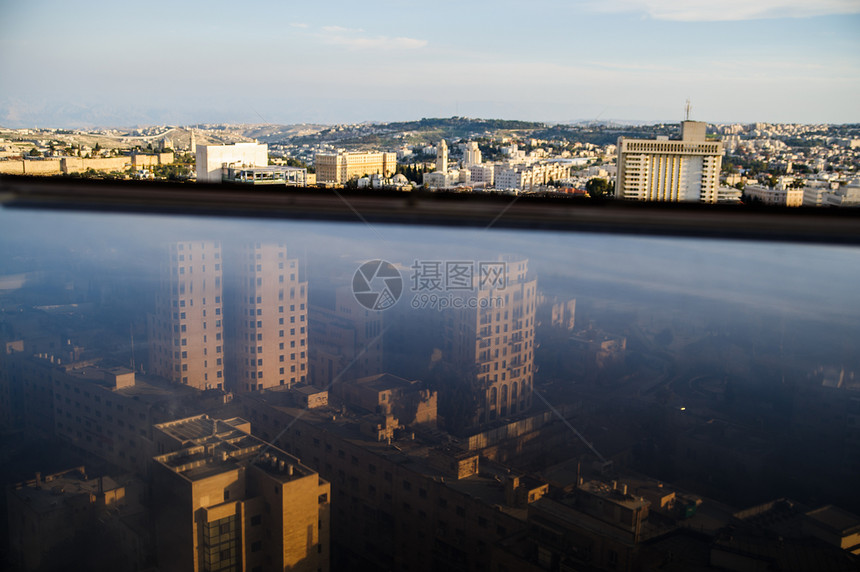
x=35 y=152
x=598 y=188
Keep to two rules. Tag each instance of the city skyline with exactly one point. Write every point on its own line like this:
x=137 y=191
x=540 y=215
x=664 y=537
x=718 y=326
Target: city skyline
x=779 y=61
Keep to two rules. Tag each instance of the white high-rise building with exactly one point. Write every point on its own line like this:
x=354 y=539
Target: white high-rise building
x=442 y=157
x=471 y=154
x=670 y=170
x=212 y=160
x=482 y=174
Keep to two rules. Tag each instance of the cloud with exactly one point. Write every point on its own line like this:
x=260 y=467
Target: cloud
x=356 y=39
x=379 y=42
x=729 y=10
x=298 y=25
x=341 y=30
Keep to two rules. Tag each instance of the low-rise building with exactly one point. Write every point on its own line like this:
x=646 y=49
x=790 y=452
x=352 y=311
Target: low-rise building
x=277 y=175
x=56 y=521
x=226 y=500
x=423 y=502
x=775 y=196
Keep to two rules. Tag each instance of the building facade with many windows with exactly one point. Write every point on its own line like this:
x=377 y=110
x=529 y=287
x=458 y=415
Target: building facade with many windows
x=670 y=170
x=185 y=331
x=229 y=501
x=343 y=166
x=267 y=312
x=494 y=340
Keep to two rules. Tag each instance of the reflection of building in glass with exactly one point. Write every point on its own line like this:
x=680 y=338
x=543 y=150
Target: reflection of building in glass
x=185 y=331
x=267 y=311
x=230 y=501
x=400 y=402
x=345 y=340
x=556 y=313
x=107 y=412
x=595 y=350
x=496 y=338
x=406 y=499
x=664 y=170
x=56 y=519
x=597 y=527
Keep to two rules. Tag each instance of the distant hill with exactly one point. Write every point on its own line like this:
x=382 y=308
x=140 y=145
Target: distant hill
x=425 y=130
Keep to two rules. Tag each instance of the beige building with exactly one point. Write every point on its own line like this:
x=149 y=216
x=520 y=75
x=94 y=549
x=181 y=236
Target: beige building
x=781 y=195
x=343 y=166
x=106 y=411
x=527 y=177
x=185 y=332
x=54 y=519
x=670 y=170
x=267 y=310
x=497 y=338
x=422 y=503
x=229 y=501
x=401 y=402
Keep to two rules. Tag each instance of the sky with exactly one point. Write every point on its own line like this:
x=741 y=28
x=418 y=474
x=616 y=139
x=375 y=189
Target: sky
x=85 y=63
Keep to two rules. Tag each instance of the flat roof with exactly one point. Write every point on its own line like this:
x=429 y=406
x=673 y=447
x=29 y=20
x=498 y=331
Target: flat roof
x=488 y=485
x=385 y=382
x=47 y=495
x=267 y=168
x=835 y=519
x=218 y=446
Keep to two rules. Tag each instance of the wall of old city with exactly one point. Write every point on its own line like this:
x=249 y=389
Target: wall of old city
x=66 y=165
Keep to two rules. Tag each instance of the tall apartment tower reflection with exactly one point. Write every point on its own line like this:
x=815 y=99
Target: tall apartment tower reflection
x=346 y=340
x=185 y=332
x=496 y=338
x=267 y=313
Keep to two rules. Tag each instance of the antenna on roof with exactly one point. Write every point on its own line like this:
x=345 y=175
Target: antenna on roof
x=687 y=109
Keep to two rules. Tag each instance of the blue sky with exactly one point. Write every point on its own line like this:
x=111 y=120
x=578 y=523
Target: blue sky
x=84 y=63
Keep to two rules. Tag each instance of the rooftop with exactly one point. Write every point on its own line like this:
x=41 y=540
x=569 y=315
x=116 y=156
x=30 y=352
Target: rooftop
x=215 y=446
x=203 y=428
x=414 y=451
x=614 y=495
x=385 y=382
x=835 y=519
x=50 y=493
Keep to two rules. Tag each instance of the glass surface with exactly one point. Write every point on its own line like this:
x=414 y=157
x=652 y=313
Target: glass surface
x=724 y=368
